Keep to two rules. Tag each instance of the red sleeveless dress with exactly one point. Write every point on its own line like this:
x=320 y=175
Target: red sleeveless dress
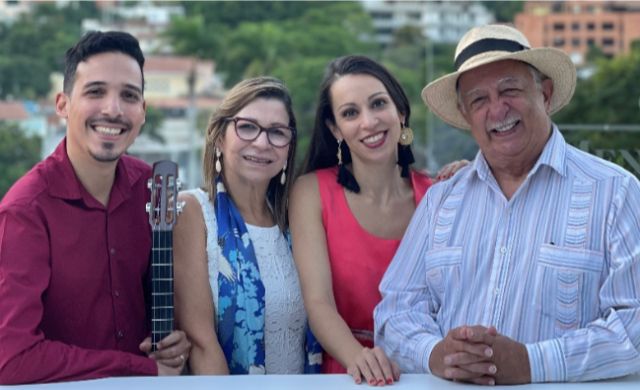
x=358 y=259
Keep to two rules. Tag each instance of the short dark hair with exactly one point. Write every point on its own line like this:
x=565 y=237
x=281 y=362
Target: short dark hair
x=97 y=42
x=323 y=147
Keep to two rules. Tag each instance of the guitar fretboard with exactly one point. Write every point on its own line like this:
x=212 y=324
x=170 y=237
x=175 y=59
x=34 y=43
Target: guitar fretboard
x=161 y=286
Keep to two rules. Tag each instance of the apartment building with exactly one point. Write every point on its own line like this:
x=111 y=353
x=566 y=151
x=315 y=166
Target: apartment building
x=575 y=26
x=441 y=21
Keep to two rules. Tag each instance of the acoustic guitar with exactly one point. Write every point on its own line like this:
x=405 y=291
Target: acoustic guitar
x=163 y=210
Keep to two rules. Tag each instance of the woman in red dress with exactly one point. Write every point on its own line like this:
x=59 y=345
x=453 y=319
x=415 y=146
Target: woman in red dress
x=350 y=208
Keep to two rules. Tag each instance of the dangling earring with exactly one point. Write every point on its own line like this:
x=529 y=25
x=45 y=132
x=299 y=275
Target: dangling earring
x=218 y=164
x=283 y=177
x=339 y=154
x=406 y=136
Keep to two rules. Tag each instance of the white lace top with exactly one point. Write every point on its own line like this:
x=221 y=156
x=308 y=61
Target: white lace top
x=285 y=317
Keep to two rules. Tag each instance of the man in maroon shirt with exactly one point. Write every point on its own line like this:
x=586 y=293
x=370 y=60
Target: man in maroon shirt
x=75 y=238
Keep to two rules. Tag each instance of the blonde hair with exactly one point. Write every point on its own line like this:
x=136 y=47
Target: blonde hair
x=235 y=100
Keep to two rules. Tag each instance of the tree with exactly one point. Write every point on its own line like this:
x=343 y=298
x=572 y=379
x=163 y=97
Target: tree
x=609 y=97
x=504 y=11
x=293 y=41
x=18 y=153
x=34 y=46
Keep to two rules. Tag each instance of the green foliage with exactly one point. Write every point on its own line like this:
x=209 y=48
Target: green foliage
x=192 y=36
x=34 y=46
x=504 y=11
x=293 y=41
x=611 y=96
x=231 y=14
x=18 y=153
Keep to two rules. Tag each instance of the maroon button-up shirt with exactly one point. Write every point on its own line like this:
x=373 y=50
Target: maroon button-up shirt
x=73 y=275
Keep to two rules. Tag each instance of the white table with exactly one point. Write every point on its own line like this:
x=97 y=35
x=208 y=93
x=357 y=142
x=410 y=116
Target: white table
x=304 y=382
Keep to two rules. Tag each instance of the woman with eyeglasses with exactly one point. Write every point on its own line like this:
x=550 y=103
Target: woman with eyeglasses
x=237 y=294
x=350 y=209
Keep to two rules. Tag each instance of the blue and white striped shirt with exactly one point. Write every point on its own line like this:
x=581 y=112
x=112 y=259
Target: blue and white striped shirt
x=556 y=267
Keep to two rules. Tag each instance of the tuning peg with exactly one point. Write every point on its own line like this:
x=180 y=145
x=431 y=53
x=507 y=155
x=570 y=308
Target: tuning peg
x=148 y=207
x=178 y=184
x=180 y=206
x=149 y=183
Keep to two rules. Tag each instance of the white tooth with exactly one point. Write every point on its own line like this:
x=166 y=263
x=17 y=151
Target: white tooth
x=256 y=159
x=374 y=138
x=505 y=127
x=107 y=130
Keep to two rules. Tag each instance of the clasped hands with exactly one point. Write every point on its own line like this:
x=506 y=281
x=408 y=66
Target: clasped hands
x=172 y=354
x=480 y=355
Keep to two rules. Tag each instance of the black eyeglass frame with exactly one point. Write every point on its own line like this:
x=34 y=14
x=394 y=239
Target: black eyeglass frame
x=235 y=120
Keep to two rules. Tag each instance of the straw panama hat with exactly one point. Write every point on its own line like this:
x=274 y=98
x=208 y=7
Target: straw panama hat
x=491 y=43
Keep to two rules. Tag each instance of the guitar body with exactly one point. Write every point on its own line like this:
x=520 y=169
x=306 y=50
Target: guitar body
x=163 y=210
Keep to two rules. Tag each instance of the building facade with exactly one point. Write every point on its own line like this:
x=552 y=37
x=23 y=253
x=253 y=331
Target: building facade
x=576 y=26
x=440 y=21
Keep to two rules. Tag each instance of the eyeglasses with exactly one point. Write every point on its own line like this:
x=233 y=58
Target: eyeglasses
x=249 y=130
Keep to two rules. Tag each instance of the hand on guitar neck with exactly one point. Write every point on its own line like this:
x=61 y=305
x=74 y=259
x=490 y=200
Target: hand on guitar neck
x=168 y=347
x=172 y=354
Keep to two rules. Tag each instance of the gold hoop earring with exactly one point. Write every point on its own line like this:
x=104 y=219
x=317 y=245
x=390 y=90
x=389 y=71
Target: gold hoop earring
x=339 y=154
x=218 y=163
x=283 y=177
x=406 y=136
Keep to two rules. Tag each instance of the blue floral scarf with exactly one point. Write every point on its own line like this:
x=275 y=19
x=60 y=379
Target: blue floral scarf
x=241 y=305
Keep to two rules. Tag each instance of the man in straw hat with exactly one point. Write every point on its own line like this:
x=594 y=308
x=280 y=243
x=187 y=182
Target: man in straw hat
x=525 y=266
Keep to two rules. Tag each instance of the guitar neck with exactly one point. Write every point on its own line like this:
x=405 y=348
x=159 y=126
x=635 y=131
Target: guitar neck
x=161 y=286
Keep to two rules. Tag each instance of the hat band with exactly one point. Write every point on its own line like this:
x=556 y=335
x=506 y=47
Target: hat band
x=485 y=45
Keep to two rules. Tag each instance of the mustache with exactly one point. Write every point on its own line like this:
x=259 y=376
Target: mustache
x=512 y=118
x=116 y=122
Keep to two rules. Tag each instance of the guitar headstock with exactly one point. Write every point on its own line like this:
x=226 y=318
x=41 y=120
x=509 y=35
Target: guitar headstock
x=164 y=207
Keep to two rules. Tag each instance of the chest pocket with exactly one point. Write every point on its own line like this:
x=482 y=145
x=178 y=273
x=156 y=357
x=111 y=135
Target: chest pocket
x=568 y=287
x=443 y=280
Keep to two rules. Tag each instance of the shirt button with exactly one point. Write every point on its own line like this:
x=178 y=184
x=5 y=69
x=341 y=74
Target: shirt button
x=112 y=251
x=116 y=293
x=503 y=249
x=120 y=334
x=496 y=291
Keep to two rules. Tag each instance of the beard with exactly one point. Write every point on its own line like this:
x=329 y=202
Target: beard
x=107 y=153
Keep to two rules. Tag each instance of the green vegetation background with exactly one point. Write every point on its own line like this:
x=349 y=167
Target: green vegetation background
x=294 y=41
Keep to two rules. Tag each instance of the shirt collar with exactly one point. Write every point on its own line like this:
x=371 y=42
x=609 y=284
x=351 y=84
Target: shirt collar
x=63 y=182
x=553 y=156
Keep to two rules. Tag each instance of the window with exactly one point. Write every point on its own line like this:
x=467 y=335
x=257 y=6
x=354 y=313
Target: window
x=591 y=26
x=558 y=27
x=607 y=26
x=575 y=26
x=558 y=42
x=381 y=15
x=608 y=42
x=575 y=42
x=591 y=42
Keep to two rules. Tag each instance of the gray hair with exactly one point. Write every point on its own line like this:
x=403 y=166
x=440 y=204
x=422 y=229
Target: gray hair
x=538 y=78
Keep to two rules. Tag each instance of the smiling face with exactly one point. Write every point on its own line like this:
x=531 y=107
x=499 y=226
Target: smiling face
x=366 y=118
x=255 y=162
x=105 y=108
x=508 y=112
